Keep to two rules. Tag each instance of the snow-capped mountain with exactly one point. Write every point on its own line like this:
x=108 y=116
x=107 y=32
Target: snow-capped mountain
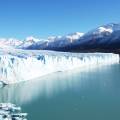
x=9 y=42
x=70 y=37
x=28 y=42
x=105 y=38
x=62 y=41
x=104 y=30
x=54 y=41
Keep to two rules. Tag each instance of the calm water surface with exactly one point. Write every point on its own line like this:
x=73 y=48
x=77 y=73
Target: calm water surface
x=91 y=94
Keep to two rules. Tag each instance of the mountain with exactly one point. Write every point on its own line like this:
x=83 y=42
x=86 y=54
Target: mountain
x=11 y=42
x=28 y=42
x=54 y=41
x=104 y=38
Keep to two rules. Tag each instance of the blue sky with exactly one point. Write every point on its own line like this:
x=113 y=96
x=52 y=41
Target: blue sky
x=42 y=18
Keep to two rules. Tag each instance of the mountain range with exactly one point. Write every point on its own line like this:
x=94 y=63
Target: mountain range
x=105 y=38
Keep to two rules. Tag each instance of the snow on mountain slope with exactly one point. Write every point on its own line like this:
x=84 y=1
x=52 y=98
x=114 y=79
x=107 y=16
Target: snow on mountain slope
x=53 y=41
x=11 y=42
x=105 y=38
x=64 y=40
x=28 y=41
x=102 y=29
x=23 y=65
x=108 y=28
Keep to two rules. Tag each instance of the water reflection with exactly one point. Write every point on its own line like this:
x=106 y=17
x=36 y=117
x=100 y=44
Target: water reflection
x=51 y=85
x=27 y=91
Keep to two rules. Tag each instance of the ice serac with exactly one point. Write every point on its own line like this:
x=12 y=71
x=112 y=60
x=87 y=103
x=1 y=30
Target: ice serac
x=23 y=65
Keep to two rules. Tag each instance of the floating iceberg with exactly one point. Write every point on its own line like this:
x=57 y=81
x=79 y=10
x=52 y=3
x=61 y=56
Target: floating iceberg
x=22 y=65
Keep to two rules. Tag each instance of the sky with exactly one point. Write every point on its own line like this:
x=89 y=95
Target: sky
x=43 y=18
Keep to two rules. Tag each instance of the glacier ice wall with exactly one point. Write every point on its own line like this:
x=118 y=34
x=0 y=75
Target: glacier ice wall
x=29 y=65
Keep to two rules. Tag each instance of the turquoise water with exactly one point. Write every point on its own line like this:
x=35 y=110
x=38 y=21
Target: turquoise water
x=91 y=94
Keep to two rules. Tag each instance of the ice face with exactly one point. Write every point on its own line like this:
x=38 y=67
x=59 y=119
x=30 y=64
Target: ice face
x=23 y=65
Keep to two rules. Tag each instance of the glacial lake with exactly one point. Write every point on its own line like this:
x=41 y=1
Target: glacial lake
x=89 y=94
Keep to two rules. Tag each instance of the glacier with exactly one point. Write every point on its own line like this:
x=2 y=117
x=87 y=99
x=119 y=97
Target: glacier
x=22 y=65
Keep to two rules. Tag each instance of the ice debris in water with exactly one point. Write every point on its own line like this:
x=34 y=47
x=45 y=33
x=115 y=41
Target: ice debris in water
x=10 y=111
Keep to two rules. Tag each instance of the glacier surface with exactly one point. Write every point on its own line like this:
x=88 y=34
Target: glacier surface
x=22 y=65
